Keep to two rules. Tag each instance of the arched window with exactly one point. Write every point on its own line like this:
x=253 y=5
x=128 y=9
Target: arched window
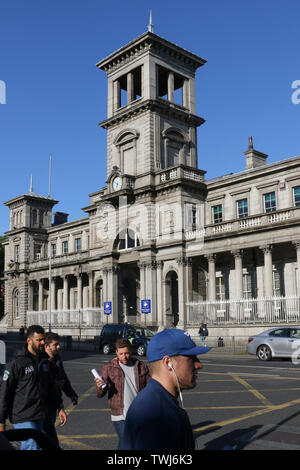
x=16 y=303
x=126 y=145
x=174 y=147
x=126 y=240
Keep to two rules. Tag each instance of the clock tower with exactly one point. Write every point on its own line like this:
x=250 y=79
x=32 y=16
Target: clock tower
x=154 y=190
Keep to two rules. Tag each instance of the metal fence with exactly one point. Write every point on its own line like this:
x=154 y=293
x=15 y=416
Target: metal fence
x=245 y=311
x=73 y=318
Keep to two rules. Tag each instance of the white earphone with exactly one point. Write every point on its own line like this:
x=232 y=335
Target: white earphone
x=170 y=365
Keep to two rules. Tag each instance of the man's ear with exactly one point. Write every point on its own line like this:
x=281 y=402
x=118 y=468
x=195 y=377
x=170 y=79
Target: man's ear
x=165 y=362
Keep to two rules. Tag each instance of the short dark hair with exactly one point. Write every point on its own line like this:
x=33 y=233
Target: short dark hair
x=35 y=329
x=50 y=336
x=123 y=343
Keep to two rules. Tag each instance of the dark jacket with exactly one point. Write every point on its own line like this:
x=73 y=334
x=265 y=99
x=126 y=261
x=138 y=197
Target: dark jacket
x=114 y=378
x=155 y=421
x=58 y=375
x=25 y=389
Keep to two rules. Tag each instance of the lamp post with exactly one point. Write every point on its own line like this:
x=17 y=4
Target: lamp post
x=79 y=299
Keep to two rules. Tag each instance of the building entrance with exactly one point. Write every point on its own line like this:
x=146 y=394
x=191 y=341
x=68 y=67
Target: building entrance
x=129 y=293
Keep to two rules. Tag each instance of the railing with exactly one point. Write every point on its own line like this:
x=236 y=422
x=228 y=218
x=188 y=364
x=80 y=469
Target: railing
x=252 y=222
x=87 y=317
x=245 y=311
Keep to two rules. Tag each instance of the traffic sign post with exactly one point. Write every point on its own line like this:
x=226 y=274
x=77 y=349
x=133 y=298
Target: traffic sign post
x=146 y=307
x=107 y=310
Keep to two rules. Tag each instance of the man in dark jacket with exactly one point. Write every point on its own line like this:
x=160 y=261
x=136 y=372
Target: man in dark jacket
x=26 y=387
x=62 y=383
x=155 y=420
x=123 y=377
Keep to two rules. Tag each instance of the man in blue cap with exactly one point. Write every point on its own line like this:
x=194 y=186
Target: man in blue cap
x=155 y=421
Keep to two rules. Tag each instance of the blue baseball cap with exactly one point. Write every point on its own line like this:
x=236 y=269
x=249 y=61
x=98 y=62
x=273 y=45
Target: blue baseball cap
x=173 y=342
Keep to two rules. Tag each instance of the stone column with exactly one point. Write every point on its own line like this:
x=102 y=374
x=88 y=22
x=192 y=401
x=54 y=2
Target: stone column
x=151 y=291
x=30 y=300
x=79 y=292
x=41 y=295
x=91 y=290
x=185 y=93
x=160 y=294
x=117 y=95
x=130 y=87
x=268 y=270
x=142 y=267
x=171 y=87
x=66 y=293
x=53 y=303
x=211 y=258
x=297 y=246
x=238 y=261
x=110 y=291
x=184 y=279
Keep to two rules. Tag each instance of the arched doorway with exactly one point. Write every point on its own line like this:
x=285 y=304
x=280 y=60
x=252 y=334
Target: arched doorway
x=129 y=289
x=171 y=292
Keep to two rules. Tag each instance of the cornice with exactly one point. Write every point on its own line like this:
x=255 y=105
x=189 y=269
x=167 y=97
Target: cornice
x=150 y=42
x=161 y=106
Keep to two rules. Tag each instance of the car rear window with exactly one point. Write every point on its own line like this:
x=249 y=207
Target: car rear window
x=110 y=330
x=280 y=333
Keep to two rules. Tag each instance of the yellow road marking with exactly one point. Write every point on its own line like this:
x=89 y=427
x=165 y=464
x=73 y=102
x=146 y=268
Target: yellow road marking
x=86 y=436
x=252 y=390
x=79 y=445
x=249 y=415
x=71 y=408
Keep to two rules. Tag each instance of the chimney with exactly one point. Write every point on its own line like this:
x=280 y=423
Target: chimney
x=254 y=158
x=60 y=218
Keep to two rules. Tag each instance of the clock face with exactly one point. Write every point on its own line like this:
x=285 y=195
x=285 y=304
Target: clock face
x=117 y=183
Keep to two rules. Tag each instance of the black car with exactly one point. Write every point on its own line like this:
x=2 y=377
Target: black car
x=139 y=337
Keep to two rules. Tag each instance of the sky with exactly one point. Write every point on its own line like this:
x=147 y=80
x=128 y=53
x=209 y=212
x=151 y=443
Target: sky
x=52 y=95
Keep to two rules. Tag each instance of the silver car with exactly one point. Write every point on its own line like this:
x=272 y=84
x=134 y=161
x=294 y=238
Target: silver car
x=276 y=342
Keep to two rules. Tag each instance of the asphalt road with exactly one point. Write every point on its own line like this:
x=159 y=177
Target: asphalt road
x=239 y=403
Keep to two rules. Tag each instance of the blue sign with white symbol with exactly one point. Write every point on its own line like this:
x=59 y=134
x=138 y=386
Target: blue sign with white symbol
x=146 y=306
x=107 y=308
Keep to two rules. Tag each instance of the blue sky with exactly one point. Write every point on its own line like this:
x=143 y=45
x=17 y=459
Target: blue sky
x=56 y=96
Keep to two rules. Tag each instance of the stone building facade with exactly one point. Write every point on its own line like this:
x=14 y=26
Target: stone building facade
x=224 y=250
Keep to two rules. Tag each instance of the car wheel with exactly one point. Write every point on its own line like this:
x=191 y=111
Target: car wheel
x=141 y=350
x=106 y=349
x=264 y=353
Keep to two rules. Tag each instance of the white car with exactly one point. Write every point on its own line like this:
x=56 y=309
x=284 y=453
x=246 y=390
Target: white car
x=276 y=342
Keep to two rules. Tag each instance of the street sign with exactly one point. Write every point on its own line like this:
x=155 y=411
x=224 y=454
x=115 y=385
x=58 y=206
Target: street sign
x=107 y=308
x=146 y=306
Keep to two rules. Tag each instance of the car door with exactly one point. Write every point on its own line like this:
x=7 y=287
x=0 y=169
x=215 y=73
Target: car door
x=278 y=340
x=293 y=341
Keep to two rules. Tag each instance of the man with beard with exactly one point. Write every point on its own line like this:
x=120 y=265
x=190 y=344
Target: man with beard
x=155 y=421
x=26 y=387
x=62 y=383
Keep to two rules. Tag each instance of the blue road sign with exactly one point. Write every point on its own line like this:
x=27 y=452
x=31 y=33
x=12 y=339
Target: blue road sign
x=107 y=308
x=146 y=306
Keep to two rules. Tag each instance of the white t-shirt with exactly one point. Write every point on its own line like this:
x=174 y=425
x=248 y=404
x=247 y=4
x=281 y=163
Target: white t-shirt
x=129 y=392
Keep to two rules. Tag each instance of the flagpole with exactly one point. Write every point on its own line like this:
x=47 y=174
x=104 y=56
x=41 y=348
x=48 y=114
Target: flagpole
x=49 y=252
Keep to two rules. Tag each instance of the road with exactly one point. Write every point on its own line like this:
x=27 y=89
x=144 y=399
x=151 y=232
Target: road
x=239 y=402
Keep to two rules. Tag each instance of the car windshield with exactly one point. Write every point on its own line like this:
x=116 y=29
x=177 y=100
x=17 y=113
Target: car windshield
x=144 y=332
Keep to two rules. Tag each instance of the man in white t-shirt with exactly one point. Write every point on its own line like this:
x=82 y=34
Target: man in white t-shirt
x=124 y=377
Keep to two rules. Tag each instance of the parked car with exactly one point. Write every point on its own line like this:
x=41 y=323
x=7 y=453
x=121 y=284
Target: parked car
x=276 y=342
x=139 y=337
